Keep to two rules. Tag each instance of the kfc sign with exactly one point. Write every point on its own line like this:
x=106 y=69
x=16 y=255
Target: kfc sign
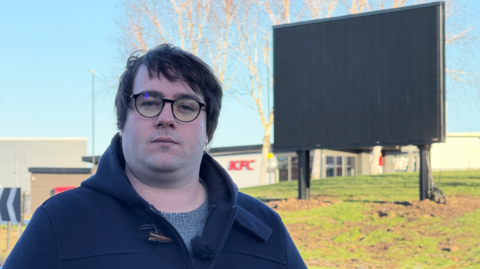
x=240 y=165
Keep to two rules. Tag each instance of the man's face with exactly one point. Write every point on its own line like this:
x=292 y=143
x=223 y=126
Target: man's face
x=162 y=144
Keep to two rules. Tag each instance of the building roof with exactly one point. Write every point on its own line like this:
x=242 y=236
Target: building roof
x=88 y=159
x=236 y=150
x=41 y=138
x=465 y=134
x=59 y=170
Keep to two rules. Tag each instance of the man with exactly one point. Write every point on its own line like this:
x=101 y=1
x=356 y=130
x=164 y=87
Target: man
x=157 y=199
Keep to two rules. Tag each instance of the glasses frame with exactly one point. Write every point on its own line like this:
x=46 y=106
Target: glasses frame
x=135 y=96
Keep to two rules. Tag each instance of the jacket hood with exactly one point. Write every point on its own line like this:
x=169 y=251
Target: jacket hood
x=110 y=178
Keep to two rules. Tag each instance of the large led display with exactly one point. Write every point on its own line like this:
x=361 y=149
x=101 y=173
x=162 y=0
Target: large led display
x=361 y=80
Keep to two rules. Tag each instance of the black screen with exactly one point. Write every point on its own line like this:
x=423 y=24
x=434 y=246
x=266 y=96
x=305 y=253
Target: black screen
x=360 y=80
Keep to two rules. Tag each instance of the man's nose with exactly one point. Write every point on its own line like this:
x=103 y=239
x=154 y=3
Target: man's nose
x=166 y=117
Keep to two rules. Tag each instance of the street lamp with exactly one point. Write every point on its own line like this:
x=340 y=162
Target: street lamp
x=93 y=116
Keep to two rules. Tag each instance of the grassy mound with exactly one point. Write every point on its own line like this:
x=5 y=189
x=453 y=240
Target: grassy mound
x=378 y=222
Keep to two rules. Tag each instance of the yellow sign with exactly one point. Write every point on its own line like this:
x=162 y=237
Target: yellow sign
x=270 y=155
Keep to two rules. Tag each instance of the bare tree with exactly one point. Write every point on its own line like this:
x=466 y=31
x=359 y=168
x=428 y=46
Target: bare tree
x=254 y=53
x=220 y=37
x=189 y=17
x=321 y=8
x=201 y=27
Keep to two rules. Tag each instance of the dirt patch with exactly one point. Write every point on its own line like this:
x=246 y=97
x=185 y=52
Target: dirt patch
x=369 y=228
x=454 y=207
x=380 y=248
x=314 y=238
x=293 y=204
x=352 y=264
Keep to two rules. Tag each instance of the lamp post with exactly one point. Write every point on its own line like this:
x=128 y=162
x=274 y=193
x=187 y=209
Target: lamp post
x=93 y=116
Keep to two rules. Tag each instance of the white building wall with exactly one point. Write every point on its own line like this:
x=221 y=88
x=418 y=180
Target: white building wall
x=241 y=175
x=461 y=151
x=18 y=154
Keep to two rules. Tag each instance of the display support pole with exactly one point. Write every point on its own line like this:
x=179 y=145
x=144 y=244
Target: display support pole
x=303 y=174
x=425 y=173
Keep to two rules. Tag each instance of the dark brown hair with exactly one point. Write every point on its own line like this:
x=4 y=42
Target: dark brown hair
x=174 y=64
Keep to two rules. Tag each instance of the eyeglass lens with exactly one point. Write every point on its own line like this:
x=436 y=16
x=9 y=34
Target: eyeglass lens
x=183 y=109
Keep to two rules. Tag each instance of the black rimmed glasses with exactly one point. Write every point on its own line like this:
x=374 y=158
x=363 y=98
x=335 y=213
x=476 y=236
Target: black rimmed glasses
x=183 y=109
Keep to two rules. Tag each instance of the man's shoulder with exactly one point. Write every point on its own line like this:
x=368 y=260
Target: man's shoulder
x=257 y=208
x=74 y=200
x=257 y=223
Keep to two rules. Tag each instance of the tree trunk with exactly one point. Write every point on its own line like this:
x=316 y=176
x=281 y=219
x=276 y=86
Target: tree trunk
x=265 y=151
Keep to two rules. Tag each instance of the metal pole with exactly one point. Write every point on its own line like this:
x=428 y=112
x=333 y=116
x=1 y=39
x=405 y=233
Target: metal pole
x=93 y=116
x=22 y=213
x=9 y=229
x=19 y=229
x=425 y=172
x=289 y=168
x=303 y=174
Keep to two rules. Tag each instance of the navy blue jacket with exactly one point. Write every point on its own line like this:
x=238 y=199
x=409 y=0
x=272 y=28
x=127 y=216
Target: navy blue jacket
x=97 y=225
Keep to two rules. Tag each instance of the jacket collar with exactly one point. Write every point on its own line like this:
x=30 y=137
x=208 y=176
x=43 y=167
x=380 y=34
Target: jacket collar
x=252 y=224
x=110 y=179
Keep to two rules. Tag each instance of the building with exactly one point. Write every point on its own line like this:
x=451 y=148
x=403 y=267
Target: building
x=18 y=154
x=461 y=151
x=243 y=163
x=46 y=179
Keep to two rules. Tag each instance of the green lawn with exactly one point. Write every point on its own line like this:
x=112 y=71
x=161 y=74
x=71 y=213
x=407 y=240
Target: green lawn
x=3 y=240
x=350 y=233
x=387 y=187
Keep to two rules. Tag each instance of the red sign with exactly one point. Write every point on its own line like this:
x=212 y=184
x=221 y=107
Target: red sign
x=240 y=165
x=58 y=190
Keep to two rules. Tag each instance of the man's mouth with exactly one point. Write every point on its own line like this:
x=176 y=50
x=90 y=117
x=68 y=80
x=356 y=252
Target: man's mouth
x=164 y=139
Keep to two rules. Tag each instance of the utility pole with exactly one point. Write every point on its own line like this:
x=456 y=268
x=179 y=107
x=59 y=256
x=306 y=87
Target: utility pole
x=93 y=116
x=9 y=229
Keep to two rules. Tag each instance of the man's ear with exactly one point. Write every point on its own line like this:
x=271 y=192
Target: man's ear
x=120 y=133
x=206 y=141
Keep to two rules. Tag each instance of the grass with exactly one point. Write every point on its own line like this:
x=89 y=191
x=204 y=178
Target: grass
x=386 y=187
x=348 y=235
x=3 y=239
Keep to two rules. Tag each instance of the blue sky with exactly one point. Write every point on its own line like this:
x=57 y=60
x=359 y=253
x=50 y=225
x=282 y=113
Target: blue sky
x=48 y=49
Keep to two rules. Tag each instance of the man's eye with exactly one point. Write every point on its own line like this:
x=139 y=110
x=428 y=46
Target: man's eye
x=150 y=104
x=185 y=108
